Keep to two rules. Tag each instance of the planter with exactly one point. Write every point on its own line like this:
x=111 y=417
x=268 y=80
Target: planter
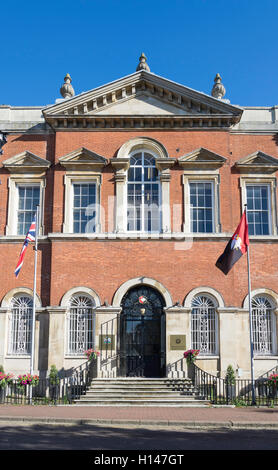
x=2 y=394
x=230 y=392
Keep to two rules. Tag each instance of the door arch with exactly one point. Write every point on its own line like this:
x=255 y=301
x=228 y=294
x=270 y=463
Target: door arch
x=142 y=333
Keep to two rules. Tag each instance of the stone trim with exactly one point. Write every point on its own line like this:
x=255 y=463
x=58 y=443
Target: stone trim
x=204 y=290
x=79 y=290
x=121 y=291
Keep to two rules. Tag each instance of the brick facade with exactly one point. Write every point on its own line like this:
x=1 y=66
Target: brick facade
x=103 y=263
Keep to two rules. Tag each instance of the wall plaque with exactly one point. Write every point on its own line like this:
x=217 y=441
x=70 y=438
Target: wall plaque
x=106 y=342
x=177 y=342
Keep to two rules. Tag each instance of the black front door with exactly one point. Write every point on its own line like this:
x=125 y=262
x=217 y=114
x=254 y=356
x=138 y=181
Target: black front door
x=142 y=333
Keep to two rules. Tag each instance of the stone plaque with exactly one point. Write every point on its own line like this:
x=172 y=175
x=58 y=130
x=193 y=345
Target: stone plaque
x=106 y=342
x=177 y=342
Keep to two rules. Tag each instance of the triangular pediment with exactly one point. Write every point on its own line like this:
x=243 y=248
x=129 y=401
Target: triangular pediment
x=26 y=162
x=82 y=158
x=201 y=158
x=257 y=162
x=140 y=94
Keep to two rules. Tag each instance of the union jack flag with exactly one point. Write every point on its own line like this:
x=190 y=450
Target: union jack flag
x=30 y=237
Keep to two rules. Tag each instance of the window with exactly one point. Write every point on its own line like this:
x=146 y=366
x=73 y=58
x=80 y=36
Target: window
x=28 y=200
x=20 y=327
x=201 y=206
x=258 y=209
x=263 y=325
x=80 y=324
x=143 y=194
x=204 y=325
x=84 y=207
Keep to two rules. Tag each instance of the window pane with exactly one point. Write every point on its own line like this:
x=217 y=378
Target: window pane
x=258 y=209
x=28 y=200
x=203 y=325
x=201 y=201
x=143 y=213
x=84 y=207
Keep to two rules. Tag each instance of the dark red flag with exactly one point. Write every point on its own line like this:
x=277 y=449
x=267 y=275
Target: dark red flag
x=236 y=247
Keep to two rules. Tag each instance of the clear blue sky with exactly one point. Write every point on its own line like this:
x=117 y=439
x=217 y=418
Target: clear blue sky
x=187 y=41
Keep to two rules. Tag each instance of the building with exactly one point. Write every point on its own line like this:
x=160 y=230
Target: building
x=141 y=183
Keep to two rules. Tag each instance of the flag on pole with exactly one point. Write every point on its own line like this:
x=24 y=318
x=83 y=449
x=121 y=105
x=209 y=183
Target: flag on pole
x=236 y=247
x=30 y=237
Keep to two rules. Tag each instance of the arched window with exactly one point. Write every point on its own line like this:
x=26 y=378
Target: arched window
x=143 y=194
x=204 y=325
x=80 y=324
x=20 y=325
x=263 y=325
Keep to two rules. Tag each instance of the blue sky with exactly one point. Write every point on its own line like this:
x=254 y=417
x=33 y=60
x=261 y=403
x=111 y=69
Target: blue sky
x=187 y=41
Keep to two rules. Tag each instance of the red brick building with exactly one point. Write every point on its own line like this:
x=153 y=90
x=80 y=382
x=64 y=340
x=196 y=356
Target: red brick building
x=141 y=183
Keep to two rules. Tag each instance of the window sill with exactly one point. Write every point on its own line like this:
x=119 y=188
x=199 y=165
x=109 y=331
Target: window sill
x=266 y=357
x=200 y=358
x=18 y=356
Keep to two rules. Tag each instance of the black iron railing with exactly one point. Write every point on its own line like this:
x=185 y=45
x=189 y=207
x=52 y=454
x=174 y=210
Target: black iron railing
x=64 y=389
x=240 y=392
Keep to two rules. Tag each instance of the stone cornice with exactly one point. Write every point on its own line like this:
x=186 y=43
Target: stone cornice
x=152 y=122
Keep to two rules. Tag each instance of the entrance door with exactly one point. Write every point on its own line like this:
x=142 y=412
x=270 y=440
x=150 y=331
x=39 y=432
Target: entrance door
x=142 y=333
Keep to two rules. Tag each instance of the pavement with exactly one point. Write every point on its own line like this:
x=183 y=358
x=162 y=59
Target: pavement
x=189 y=417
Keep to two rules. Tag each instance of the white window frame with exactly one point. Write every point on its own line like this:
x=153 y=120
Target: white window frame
x=212 y=183
x=69 y=181
x=11 y=352
x=69 y=351
x=14 y=183
x=262 y=181
x=216 y=326
x=206 y=178
x=142 y=218
x=273 y=339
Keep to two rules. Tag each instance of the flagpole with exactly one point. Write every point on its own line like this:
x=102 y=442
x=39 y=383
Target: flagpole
x=34 y=300
x=250 y=321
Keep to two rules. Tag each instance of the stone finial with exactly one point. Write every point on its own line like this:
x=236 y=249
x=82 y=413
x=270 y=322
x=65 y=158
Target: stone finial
x=218 y=91
x=66 y=89
x=143 y=64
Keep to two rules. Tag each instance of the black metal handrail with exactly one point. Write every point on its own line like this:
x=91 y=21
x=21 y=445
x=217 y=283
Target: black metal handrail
x=65 y=388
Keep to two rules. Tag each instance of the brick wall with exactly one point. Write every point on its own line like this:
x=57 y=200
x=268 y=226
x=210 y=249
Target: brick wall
x=104 y=266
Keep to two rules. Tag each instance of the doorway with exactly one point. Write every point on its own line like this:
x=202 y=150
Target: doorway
x=142 y=333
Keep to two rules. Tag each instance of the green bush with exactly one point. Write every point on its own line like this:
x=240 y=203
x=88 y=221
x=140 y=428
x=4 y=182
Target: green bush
x=230 y=377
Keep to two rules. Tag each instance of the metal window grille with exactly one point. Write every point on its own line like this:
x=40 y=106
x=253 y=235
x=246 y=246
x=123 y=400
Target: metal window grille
x=262 y=325
x=143 y=200
x=20 y=329
x=81 y=325
x=84 y=207
x=204 y=325
x=201 y=207
x=258 y=209
x=28 y=200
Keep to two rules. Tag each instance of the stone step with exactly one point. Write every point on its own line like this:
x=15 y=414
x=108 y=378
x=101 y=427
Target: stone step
x=127 y=393
x=140 y=391
x=142 y=402
x=135 y=389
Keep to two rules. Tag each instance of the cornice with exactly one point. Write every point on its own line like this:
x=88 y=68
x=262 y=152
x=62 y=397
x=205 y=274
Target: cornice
x=152 y=122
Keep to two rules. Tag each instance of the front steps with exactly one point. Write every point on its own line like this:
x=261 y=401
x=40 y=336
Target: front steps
x=137 y=391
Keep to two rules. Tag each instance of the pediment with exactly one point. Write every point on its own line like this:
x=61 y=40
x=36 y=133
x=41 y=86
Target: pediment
x=201 y=158
x=26 y=162
x=142 y=104
x=257 y=162
x=145 y=95
x=82 y=158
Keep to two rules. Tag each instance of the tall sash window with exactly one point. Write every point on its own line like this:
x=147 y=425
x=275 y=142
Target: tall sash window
x=263 y=325
x=80 y=324
x=143 y=194
x=204 y=325
x=20 y=325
